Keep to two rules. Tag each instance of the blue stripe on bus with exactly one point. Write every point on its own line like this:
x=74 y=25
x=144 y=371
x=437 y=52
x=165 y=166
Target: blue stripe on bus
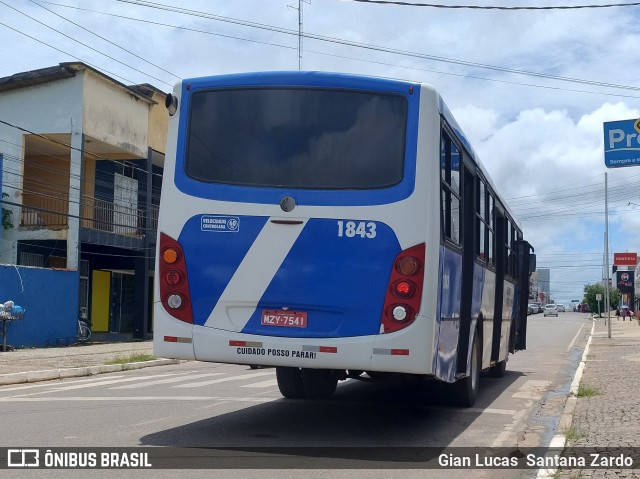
x=213 y=257
x=340 y=282
x=263 y=195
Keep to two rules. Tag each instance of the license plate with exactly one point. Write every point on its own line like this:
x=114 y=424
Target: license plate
x=287 y=319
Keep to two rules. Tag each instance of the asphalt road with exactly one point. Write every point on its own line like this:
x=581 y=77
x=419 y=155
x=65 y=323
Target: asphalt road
x=197 y=405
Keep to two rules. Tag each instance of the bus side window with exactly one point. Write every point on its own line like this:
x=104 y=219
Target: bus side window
x=481 y=219
x=508 y=251
x=450 y=159
x=491 y=225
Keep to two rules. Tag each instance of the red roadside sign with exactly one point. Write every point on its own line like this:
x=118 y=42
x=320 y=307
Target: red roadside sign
x=625 y=259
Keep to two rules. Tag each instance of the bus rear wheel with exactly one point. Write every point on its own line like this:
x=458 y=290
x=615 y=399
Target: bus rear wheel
x=290 y=382
x=319 y=383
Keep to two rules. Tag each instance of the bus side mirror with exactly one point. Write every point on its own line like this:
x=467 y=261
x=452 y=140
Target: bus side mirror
x=171 y=102
x=532 y=263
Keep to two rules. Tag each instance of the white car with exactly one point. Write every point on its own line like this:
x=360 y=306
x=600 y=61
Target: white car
x=561 y=308
x=551 y=310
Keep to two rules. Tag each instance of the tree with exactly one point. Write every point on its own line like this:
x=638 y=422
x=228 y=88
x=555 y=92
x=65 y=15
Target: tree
x=590 y=292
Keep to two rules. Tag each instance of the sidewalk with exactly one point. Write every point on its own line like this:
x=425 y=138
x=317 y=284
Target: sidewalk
x=41 y=364
x=607 y=411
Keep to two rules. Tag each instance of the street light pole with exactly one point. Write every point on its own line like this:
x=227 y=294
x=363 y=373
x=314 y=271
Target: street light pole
x=606 y=253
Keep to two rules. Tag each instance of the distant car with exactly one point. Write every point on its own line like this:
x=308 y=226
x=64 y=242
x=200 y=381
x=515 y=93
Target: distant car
x=561 y=308
x=551 y=310
x=529 y=310
x=537 y=308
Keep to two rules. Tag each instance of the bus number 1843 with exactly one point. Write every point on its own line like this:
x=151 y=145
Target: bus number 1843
x=350 y=229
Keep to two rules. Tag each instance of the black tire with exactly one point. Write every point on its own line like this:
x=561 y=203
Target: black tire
x=290 y=382
x=465 y=390
x=318 y=383
x=498 y=370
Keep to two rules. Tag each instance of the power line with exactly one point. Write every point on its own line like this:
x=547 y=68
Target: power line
x=81 y=43
x=322 y=38
x=52 y=171
x=106 y=40
x=66 y=53
x=495 y=7
x=262 y=26
x=66 y=145
x=472 y=77
x=168 y=25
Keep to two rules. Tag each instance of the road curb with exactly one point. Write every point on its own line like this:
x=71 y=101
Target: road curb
x=51 y=374
x=564 y=425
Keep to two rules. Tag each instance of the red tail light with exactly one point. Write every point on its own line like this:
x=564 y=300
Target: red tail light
x=402 y=301
x=174 y=284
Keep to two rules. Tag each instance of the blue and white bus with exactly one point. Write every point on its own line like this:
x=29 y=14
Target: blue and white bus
x=330 y=225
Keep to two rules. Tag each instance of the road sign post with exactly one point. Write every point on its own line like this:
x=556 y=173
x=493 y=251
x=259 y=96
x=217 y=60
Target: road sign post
x=621 y=148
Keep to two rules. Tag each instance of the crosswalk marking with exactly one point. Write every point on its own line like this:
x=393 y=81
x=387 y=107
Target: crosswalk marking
x=224 y=380
x=50 y=399
x=109 y=381
x=143 y=384
x=263 y=384
x=117 y=382
x=45 y=384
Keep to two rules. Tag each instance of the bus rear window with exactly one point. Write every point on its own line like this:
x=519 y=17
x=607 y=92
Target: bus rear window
x=297 y=138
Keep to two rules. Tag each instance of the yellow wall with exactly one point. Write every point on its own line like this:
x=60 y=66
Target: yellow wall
x=46 y=186
x=100 y=291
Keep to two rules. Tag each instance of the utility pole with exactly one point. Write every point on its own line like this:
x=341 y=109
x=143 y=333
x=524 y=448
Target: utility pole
x=300 y=30
x=606 y=253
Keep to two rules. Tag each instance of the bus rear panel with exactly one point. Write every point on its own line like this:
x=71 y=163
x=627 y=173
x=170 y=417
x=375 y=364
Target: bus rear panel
x=300 y=227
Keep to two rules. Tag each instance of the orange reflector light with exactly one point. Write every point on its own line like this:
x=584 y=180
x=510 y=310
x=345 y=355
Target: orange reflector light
x=408 y=265
x=170 y=255
x=237 y=343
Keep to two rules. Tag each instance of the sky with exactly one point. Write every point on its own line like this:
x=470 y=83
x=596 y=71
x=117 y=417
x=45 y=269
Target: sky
x=530 y=88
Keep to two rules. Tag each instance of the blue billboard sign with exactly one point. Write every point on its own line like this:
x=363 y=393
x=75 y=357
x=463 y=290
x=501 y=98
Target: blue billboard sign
x=622 y=143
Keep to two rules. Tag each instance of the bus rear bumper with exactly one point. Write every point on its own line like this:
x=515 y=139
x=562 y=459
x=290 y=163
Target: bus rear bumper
x=354 y=353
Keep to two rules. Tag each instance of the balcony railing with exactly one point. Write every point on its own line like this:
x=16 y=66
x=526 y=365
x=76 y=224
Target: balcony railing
x=44 y=209
x=51 y=211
